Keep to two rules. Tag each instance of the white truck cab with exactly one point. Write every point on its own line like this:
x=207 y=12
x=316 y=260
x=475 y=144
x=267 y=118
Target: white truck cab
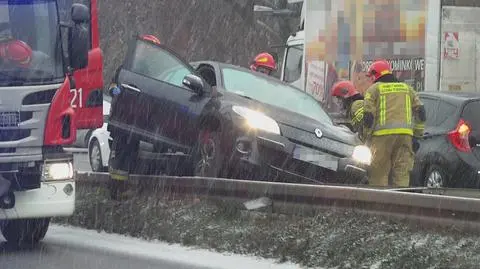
x=293 y=60
x=292 y=66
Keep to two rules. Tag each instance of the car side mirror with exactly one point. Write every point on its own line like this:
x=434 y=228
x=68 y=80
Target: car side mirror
x=194 y=83
x=78 y=39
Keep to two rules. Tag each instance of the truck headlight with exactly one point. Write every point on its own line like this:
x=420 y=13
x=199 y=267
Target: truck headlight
x=257 y=119
x=362 y=154
x=58 y=171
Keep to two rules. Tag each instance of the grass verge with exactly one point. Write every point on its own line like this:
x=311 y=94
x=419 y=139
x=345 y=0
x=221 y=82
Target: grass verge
x=332 y=239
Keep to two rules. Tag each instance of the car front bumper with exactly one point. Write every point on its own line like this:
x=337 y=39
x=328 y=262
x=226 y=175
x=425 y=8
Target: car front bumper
x=295 y=161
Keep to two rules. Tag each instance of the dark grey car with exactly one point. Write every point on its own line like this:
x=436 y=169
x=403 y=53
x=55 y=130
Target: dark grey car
x=229 y=121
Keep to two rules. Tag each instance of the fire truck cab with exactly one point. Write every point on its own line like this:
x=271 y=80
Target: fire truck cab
x=50 y=86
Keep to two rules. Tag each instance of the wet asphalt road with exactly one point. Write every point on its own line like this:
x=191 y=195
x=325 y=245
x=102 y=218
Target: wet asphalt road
x=75 y=248
x=61 y=251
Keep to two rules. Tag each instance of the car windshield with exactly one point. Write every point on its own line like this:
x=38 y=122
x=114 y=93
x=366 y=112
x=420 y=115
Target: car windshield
x=273 y=93
x=30 y=40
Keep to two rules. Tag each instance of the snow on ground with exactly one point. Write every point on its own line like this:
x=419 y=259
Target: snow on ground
x=156 y=250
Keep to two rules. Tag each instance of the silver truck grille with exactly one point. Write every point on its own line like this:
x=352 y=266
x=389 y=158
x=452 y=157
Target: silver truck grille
x=23 y=114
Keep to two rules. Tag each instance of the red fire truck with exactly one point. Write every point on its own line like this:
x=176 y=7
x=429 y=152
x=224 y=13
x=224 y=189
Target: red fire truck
x=50 y=85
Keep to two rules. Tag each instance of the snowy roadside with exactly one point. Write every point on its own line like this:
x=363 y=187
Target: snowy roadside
x=155 y=250
x=331 y=239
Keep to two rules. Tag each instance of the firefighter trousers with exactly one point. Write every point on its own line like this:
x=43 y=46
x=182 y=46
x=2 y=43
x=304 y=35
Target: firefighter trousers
x=122 y=160
x=391 y=154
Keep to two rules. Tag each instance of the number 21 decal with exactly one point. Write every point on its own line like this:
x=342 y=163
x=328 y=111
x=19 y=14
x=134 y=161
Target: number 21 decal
x=77 y=94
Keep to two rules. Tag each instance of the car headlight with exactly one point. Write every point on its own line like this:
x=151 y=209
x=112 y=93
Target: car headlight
x=58 y=171
x=257 y=119
x=362 y=154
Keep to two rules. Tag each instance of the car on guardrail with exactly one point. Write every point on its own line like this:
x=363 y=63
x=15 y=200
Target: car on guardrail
x=229 y=121
x=449 y=153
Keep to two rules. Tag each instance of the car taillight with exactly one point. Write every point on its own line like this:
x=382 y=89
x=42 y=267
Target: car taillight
x=459 y=136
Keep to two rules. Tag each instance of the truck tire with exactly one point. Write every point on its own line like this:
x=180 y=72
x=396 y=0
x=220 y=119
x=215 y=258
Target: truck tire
x=25 y=232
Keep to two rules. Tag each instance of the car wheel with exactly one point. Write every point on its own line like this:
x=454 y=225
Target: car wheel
x=208 y=158
x=95 y=156
x=21 y=232
x=435 y=177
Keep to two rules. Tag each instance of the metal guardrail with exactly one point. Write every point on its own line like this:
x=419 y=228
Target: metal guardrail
x=426 y=209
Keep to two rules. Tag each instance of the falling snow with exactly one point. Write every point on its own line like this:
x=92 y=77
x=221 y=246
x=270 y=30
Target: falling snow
x=331 y=239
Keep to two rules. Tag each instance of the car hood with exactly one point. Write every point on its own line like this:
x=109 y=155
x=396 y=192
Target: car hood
x=292 y=119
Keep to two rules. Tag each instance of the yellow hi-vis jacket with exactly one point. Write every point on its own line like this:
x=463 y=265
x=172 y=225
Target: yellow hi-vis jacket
x=356 y=115
x=395 y=107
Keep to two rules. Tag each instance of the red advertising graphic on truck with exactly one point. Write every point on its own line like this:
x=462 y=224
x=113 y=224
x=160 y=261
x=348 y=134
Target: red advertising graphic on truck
x=50 y=85
x=343 y=37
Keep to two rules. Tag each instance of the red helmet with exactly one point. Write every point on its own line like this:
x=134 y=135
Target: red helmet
x=344 y=89
x=265 y=60
x=16 y=51
x=379 y=68
x=151 y=38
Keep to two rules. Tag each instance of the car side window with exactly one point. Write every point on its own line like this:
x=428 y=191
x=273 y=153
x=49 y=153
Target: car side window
x=431 y=106
x=157 y=63
x=445 y=111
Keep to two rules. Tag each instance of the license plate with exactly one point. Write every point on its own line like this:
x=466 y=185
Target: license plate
x=315 y=157
x=9 y=119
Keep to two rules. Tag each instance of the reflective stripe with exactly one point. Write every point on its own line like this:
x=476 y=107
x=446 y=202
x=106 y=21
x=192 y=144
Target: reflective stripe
x=405 y=131
x=368 y=96
x=358 y=115
x=360 y=110
x=357 y=119
x=408 y=109
x=388 y=88
x=394 y=126
x=118 y=174
x=383 y=106
x=119 y=177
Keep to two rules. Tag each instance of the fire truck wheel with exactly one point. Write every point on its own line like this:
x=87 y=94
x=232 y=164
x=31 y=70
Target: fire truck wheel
x=20 y=232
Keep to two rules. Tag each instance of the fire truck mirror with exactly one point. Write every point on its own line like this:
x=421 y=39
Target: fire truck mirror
x=78 y=39
x=80 y=13
x=78 y=46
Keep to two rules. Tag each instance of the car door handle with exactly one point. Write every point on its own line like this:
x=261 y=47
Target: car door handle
x=131 y=87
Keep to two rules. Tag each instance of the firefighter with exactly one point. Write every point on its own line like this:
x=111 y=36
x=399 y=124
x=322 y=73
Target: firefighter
x=352 y=102
x=124 y=149
x=264 y=63
x=393 y=119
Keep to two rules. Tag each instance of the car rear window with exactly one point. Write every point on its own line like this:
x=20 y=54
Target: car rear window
x=471 y=114
x=445 y=112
